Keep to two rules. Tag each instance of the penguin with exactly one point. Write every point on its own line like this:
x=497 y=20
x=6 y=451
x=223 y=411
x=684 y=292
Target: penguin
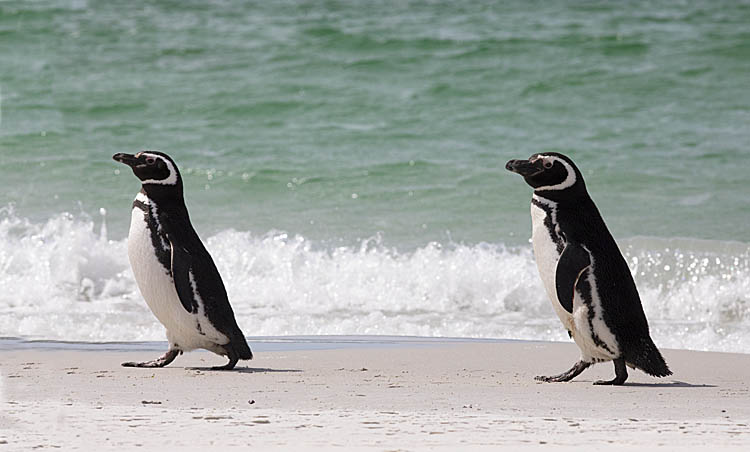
x=584 y=273
x=174 y=271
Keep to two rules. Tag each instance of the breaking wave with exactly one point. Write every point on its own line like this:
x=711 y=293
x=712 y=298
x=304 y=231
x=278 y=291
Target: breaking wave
x=64 y=279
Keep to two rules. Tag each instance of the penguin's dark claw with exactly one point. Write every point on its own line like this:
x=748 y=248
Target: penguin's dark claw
x=162 y=361
x=555 y=378
x=552 y=378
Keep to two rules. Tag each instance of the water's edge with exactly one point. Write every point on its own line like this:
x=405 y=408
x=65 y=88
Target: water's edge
x=269 y=344
x=259 y=344
x=64 y=280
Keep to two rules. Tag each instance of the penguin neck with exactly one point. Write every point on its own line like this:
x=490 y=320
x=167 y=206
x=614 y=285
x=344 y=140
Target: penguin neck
x=564 y=196
x=165 y=195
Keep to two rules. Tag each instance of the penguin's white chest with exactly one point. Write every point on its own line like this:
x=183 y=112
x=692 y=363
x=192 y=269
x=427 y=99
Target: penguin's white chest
x=547 y=255
x=185 y=330
x=585 y=329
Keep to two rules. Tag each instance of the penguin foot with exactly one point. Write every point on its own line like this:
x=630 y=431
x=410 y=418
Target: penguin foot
x=577 y=368
x=228 y=366
x=621 y=374
x=161 y=361
x=613 y=382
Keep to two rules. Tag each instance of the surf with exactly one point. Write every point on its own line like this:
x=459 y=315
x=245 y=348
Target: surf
x=65 y=278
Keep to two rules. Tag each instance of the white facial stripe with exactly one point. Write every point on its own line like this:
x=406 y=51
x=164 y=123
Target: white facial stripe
x=170 y=180
x=570 y=179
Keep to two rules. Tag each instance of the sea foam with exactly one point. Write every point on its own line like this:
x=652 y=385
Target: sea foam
x=64 y=279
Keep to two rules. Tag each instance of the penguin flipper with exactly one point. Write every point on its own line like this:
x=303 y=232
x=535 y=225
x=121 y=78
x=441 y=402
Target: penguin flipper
x=187 y=268
x=181 y=263
x=181 y=276
x=574 y=260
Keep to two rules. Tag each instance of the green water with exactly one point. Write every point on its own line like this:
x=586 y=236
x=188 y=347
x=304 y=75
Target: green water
x=343 y=120
x=302 y=128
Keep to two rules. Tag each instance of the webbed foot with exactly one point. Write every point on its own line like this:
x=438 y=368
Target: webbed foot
x=577 y=368
x=621 y=374
x=228 y=366
x=161 y=361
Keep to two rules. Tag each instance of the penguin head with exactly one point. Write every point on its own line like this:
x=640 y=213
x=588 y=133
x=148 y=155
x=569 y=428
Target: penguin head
x=153 y=168
x=549 y=173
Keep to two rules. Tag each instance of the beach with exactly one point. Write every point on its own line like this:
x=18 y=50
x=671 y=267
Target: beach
x=344 y=164
x=437 y=395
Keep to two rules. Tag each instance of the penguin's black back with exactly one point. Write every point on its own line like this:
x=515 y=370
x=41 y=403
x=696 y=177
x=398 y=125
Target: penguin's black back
x=580 y=221
x=176 y=221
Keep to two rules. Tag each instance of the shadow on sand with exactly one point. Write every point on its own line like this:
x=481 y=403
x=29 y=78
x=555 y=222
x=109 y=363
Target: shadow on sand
x=671 y=384
x=245 y=370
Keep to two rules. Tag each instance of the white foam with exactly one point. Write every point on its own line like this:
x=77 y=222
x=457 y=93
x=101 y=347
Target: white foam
x=64 y=280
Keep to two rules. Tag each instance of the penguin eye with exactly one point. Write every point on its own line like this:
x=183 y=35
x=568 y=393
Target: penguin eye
x=150 y=160
x=548 y=164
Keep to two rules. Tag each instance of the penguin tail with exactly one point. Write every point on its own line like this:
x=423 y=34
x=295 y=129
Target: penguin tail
x=240 y=347
x=648 y=359
x=243 y=349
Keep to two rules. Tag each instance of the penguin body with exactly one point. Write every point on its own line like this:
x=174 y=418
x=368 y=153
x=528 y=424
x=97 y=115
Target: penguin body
x=149 y=252
x=584 y=274
x=174 y=272
x=585 y=323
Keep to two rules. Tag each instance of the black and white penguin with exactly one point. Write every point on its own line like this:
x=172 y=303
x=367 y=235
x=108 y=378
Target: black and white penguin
x=584 y=273
x=174 y=272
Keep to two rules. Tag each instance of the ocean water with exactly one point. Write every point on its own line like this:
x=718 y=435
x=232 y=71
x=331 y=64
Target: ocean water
x=344 y=161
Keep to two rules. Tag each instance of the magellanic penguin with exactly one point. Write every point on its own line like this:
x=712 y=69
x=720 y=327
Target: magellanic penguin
x=174 y=272
x=584 y=273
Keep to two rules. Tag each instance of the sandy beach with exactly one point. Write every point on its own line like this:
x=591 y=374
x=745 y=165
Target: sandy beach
x=441 y=395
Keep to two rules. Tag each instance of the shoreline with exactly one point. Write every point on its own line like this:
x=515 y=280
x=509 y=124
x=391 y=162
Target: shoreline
x=259 y=344
x=451 y=395
x=264 y=344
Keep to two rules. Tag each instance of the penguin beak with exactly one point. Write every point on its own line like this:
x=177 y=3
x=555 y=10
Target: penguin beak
x=127 y=159
x=525 y=168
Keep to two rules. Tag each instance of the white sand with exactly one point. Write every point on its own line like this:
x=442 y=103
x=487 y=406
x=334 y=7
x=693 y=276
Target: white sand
x=447 y=396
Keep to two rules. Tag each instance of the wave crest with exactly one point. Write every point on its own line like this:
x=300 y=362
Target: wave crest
x=63 y=279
